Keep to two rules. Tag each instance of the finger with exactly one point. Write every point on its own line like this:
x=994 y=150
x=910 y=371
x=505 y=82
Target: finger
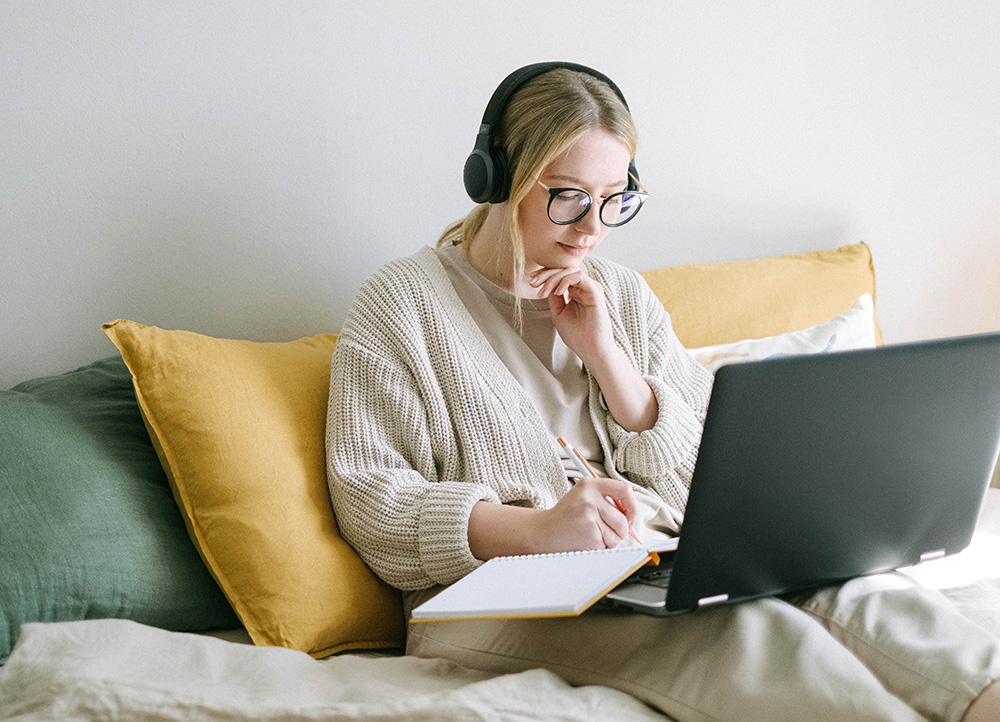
x=541 y=275
x=614 y=525
x=557 y=302
x=621 y=492
x=554 y=281
x=581 y=288
x=537 y=278
x=563 y=285
x=573 y=284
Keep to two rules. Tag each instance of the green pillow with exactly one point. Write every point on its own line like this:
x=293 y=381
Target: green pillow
x=88 y=525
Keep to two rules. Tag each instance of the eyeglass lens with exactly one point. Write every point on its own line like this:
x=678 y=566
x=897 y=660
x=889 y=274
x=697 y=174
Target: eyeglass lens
x=570 y=205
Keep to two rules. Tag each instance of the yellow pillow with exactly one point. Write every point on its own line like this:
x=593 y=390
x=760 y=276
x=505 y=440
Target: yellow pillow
x=240 y=429
x=726 y=301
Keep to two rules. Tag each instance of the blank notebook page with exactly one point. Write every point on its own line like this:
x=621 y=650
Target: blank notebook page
x=534 y=585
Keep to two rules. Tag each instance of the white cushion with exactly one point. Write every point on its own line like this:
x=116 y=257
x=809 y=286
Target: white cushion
x=853 y=329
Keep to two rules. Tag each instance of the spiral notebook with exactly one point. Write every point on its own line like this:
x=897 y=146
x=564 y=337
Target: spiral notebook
x=537 y=585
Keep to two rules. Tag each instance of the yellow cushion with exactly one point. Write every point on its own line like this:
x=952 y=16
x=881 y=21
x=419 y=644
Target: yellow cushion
x=726 y=301
x=240 y=429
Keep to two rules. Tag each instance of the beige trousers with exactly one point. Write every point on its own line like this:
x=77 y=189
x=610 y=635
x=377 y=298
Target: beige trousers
x=875 y=648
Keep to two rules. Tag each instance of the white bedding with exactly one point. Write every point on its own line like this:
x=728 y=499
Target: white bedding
x=120 y=670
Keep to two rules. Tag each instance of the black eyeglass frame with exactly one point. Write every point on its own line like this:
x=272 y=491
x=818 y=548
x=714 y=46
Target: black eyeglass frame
x=643 y=194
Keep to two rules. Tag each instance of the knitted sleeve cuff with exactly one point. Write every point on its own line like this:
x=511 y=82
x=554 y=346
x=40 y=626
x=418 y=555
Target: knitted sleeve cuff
x=671 y=445
x=444 y=529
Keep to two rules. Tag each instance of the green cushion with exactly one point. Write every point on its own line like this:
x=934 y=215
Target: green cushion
x=88 y=525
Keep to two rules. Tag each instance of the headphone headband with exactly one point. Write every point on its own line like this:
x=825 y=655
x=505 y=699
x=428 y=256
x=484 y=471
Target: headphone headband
x=519 y=77
x=486 y=174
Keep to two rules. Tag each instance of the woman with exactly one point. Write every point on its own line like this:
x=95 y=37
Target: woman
x=459 y=366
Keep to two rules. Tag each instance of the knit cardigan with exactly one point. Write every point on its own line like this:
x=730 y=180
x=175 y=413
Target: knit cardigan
x=425 y=420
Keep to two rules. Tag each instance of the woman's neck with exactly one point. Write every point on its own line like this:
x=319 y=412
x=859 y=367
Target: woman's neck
x=489 y=252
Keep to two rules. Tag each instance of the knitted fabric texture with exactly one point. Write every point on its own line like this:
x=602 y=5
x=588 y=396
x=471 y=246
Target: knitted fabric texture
x=425 y=420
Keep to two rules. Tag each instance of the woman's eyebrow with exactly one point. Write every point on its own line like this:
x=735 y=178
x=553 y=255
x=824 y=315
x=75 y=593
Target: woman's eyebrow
x=571 y=179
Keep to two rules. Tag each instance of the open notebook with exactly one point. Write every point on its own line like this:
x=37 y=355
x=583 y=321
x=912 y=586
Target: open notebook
x=538 y=585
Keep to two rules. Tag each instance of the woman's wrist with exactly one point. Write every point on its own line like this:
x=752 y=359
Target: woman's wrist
x=499 y=530
x=628 y=396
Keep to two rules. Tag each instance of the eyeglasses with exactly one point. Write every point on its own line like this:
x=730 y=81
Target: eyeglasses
x=569 y=205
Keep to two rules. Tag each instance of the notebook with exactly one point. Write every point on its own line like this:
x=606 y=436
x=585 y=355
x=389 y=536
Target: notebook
x=812 y=469
x=816 y=469
x=537 y=585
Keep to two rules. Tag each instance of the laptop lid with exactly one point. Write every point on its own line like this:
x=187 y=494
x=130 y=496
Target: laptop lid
x=819 y=468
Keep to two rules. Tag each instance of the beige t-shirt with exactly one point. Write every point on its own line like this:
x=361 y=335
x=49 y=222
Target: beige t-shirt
x=546 y=368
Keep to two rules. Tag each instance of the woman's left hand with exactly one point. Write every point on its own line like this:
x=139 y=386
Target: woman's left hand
x=580 y=315
x=579 y=311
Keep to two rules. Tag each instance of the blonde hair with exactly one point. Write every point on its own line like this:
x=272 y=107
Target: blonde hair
x=544 y=117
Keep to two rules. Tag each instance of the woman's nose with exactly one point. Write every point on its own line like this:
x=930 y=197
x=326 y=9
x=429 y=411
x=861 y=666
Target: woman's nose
x=590 y=224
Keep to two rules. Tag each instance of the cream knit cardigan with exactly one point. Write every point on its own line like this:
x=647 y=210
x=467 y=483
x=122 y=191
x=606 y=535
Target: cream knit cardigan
x=425 y=420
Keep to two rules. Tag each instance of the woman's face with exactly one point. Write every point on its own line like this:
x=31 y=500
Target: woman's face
x=598 y=163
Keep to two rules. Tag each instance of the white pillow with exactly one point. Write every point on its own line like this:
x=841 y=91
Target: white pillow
x=853 y=329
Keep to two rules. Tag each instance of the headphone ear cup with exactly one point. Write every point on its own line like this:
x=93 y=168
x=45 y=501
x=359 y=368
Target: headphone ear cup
x=501 y=168
x=633 y=177
x=479 y=176
x=486 y=175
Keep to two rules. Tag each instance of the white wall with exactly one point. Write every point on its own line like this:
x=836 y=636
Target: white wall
x=236 y=168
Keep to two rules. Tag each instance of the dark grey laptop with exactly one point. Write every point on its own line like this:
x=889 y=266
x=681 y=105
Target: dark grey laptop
x=815 y=469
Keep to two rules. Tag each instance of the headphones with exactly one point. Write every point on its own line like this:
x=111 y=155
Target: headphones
x=487 y=172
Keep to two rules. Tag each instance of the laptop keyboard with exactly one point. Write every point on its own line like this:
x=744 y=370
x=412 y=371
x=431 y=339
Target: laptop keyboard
x=658 y=578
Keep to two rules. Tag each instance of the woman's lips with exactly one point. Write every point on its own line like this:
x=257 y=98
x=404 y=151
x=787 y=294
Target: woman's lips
x=575 y=250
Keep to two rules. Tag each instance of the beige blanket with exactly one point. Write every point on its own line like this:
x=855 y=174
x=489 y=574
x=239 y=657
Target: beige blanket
x=120 y=670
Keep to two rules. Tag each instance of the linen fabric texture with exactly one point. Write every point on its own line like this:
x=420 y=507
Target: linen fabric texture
x=879 y=648
x=239 y=428
x=88 y=526
x=726 y=301
x=853 y=329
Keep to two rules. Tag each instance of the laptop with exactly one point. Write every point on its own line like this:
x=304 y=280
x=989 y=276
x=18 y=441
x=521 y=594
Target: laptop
x=818 y=468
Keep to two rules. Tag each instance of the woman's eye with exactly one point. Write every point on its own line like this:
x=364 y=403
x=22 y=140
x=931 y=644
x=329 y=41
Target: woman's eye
x=573 y=198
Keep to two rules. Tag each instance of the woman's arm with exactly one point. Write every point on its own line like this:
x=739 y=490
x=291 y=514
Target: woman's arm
x=407 y=525
x=628 y=396
x=579 y=312
x=584 y=518
x=659 y=455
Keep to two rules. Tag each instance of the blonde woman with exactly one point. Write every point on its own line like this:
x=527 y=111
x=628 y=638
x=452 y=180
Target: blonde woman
x=459 y=366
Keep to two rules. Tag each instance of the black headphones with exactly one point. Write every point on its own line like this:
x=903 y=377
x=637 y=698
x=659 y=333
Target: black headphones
x=487 y=173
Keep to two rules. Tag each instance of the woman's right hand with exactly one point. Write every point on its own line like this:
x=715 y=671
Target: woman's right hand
x=585 y=518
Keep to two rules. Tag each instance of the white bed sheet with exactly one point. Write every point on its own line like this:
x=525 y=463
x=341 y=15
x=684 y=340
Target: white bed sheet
x=120 y=670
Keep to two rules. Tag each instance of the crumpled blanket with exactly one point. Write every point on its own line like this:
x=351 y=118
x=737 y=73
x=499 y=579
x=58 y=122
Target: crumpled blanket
x=979 y=602
x=110 y=670
x=119 y=670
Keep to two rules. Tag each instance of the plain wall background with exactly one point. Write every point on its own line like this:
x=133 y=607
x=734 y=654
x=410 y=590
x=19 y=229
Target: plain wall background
x=236 y=168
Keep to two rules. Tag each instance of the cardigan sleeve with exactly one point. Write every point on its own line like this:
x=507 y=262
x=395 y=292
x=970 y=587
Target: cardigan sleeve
x=408 y=525
x=661 y=458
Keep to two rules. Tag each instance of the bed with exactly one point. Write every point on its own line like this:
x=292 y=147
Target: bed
x=169 y=551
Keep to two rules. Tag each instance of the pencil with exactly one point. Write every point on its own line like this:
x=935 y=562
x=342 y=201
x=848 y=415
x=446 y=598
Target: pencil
x=584 y=467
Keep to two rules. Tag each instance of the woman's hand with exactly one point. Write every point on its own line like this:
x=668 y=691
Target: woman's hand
x=579 y=311
x=581 y=318
x=585 y=518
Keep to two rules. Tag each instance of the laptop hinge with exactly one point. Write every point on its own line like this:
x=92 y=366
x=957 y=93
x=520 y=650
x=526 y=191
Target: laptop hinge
x=717 y=599
x=936 y=554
